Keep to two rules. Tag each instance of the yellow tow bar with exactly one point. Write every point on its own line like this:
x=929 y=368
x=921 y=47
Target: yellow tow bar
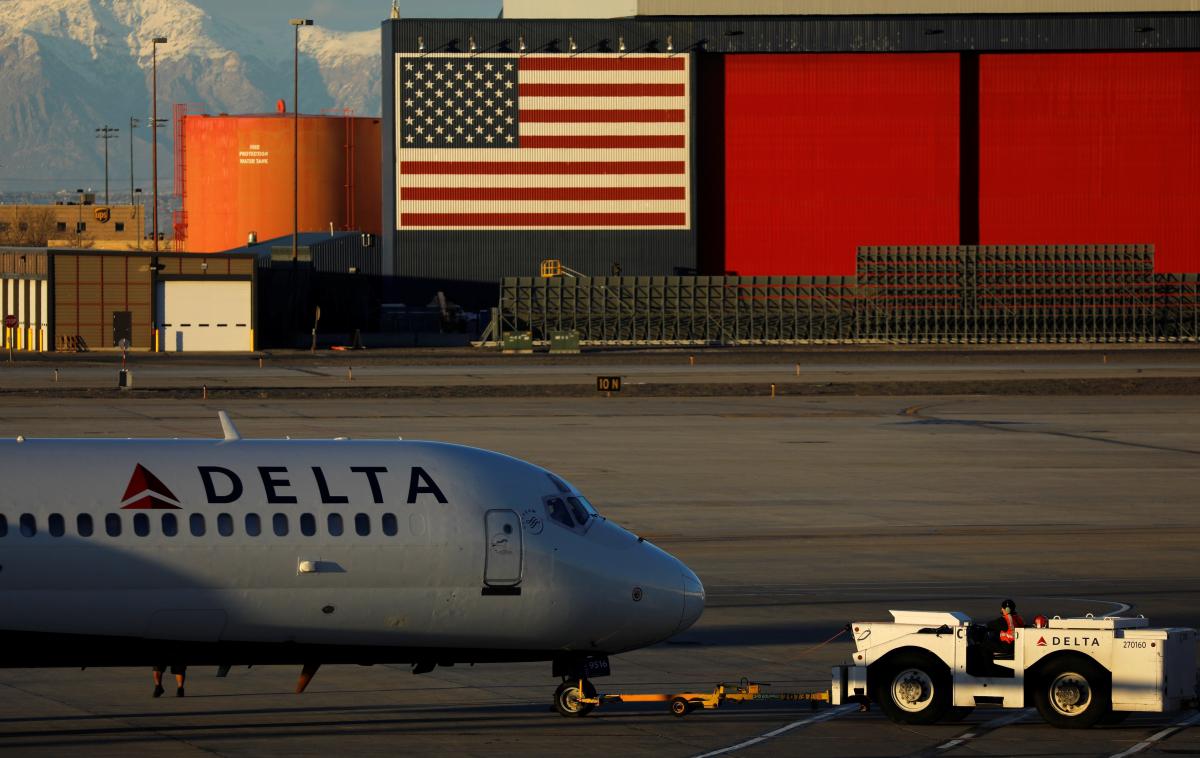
x=683 y=703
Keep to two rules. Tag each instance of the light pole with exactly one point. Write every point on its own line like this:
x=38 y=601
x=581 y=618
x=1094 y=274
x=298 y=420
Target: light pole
x=106 y=133
x=154 y=127
x=79 y=218
x=133 y=124
x=296 y=24
x=138 y=219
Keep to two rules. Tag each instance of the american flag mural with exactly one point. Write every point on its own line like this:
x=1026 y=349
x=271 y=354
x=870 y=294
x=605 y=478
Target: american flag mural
x=543 y=141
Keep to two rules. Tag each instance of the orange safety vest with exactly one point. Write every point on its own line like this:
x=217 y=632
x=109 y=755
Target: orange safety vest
x=1014 y=621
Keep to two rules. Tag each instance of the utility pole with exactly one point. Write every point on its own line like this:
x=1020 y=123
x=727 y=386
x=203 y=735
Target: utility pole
x=140 y=224
x=106 y=133
x=133 y=124
x=154 y=127
x=296 y=24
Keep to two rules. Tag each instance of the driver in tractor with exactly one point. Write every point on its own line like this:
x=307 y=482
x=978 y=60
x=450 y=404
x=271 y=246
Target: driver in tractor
x=1001 y=631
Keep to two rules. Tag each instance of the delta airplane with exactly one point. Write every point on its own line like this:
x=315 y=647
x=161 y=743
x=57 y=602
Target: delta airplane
x=239 y=552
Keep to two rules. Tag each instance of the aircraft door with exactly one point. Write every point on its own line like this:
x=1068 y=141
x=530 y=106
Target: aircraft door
x=502 y=563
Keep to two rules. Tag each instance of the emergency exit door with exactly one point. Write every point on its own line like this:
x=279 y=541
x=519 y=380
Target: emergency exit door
x=502 y=563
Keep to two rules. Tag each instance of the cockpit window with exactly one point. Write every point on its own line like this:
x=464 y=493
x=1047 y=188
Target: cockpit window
x=556 y=508
x=580 y=513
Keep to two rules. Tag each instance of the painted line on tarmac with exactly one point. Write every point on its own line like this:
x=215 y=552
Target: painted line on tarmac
x=975 y=732
x=826 y=716
x=1116 y=612
x=1157 y=737
x=978 y=731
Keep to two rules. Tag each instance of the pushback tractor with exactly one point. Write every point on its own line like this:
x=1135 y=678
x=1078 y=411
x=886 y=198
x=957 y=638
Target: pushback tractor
x=923 y=667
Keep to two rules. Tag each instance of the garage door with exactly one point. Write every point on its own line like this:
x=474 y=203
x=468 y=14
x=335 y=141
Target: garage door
x=204 y=316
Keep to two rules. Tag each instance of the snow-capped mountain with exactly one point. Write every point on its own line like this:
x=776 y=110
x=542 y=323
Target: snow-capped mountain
x=70 y=66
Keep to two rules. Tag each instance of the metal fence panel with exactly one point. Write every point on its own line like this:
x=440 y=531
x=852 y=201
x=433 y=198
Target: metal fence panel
x=902 y=295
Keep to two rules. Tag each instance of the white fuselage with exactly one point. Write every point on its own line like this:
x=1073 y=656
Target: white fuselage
x=260 y=551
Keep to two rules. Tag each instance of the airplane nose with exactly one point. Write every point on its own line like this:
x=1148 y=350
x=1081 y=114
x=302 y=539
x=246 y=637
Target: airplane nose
x=693 y=599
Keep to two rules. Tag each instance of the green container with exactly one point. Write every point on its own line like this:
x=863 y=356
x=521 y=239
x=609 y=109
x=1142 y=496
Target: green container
x=517 y=343
x=564 y=342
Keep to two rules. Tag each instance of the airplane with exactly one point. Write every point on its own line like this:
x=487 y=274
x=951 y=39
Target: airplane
x=142 y=552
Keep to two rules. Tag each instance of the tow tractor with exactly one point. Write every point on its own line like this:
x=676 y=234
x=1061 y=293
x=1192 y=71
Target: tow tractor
x=923 y=667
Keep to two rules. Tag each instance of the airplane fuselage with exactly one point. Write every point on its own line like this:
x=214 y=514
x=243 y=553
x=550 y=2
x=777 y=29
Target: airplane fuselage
x=140 y=552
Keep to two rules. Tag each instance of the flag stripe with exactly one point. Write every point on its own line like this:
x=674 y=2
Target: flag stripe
x=542 y=167
x=544 y=219
x=601 y=116
x=527 y=103
x=601 y=64
x=598 y=129
x=493 y=154
x=585 y=141
x=542 y=193
x=600 y=90
x=602 y=77
x=522 y=207
x=543 y=180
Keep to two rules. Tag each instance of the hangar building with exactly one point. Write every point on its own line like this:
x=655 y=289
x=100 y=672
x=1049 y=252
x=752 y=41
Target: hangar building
x=780 y=140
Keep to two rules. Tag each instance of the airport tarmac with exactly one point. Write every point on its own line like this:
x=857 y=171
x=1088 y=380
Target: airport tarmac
x=799 y=514
x=747 y=371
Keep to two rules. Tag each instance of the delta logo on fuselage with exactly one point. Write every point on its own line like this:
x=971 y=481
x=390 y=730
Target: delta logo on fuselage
x=1069 y=642
x=222 y=486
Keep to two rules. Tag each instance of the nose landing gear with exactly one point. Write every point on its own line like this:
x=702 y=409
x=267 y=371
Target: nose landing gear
x=568 y=698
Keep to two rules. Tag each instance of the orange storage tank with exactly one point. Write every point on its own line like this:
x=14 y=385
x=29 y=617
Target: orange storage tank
x=237 y=177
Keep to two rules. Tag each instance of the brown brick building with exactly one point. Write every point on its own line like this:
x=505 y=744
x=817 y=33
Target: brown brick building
x=81 y=223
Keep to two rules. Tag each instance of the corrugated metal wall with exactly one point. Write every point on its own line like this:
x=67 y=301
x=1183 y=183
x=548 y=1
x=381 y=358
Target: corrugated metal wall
x=89 y=288
x=24 y=293
x=785 y=34
x=204 y=265
x=872 y=151
x=824 y=153
x=336 y=255
x=1092 y=147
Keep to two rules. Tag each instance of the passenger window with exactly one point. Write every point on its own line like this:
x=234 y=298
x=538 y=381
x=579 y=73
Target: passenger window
x=170 y=524
x=308 y=524
x=389 y=524
x=83 y=525
x=279 y=523
x=224 y=524
x=253 y=524
x=578 y=511
x=3 y=525
x=58 y=525
x=112 y=525
x=197 y=525
x=28 y=525
x=141 y=524
x=335 y=524
x=362 y=524
x=557 y=510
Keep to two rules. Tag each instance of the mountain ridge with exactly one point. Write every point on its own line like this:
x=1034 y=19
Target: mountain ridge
x=70 y=66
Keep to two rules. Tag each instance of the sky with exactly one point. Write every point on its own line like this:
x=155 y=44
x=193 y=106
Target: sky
x=342 y=15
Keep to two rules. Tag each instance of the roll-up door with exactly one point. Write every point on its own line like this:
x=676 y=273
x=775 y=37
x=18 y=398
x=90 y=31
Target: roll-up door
x=204 y=315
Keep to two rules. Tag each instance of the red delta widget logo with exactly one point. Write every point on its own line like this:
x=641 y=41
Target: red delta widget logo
x=147 y=492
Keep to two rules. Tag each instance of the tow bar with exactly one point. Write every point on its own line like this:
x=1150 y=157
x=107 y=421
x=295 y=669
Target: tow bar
x=683 y=703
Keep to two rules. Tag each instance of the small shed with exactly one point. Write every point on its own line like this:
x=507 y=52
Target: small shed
x=72 y=299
